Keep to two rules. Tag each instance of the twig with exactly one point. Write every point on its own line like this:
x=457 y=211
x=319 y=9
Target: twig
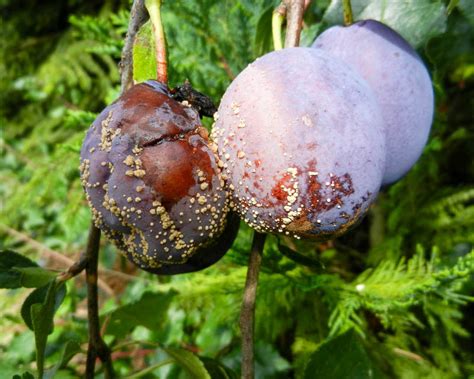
x=154 y=10
x=138 y=16
x=347 y=11
x=97 y=346
x=75 y=269
x=247 y=311
x=278 y=17
x=295 y=10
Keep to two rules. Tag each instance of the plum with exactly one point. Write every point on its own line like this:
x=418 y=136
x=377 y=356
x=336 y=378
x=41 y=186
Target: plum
x=154 y=184
x=301 y=137
x=399 y=80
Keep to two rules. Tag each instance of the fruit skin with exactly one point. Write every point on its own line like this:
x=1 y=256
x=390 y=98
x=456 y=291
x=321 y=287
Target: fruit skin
x=302 y=140
x=152 y=179
x=400 y=82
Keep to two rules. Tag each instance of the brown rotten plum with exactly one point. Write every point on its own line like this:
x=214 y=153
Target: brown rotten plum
x=399 y=80
x=154 y=184
x=300 y=134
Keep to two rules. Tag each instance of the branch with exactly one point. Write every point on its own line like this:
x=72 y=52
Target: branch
x=247 y=311
x=97 y=346
x=138 y=17
x=295 y=10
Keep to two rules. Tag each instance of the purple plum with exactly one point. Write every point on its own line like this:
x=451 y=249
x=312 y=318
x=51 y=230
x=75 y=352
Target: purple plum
x=400 y=81
x=301 y=137
x=154 y=184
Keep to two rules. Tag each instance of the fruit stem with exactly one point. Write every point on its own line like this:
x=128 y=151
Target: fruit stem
x=247 y=311
x=138 y=16
x=347 y=10
x=278 y=17
x=294 y=22
x=97 y=347
x=154 y=10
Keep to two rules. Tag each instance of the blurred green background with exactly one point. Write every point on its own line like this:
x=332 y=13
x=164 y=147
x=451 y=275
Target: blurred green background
x=413 y=253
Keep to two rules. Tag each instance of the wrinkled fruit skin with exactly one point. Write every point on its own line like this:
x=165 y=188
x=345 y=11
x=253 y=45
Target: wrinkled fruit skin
x=302 y=141
x=153 y=183
x=399 y=80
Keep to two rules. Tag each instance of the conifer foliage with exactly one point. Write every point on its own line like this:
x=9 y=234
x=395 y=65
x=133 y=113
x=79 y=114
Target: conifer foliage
x=391 y=297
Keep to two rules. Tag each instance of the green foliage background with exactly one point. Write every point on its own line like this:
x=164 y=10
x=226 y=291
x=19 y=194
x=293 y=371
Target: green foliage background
x=402 y=281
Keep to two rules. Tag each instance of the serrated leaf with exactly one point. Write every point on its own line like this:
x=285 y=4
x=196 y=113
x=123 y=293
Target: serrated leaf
x=343 y=357
x=144 y=54
x=42 y=314
x=193 y=366
x=416 y=20
x=70 y=349
x=263 y=36
x=124 y=319
x=9 y=260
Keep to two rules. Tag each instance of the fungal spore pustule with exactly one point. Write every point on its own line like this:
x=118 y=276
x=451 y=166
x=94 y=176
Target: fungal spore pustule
x=154 y=184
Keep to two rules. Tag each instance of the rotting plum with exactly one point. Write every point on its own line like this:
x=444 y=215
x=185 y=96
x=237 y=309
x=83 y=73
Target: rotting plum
x=302 y=141
x=399 y=80
x=153 y=182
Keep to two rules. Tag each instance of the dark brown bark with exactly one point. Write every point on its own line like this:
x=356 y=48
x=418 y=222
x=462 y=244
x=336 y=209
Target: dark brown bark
x=247 y=312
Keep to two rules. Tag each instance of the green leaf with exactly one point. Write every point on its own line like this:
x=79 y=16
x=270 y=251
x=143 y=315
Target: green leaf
x=343 y=357
x=189 y=362
x=9 y=261
x=42 y=315
x=144 y=54
x=34 y=277
x=70 y=349
x=416 y=20
x=217 y=370
x=126 y=318
x=263 y=36
x=38 y=296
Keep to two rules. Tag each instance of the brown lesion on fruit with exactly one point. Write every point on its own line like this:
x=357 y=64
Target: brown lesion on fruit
x=321 y=195
x=350 y=221
x=158 y=117
x=327 y=194
x=174 y=175
x=278 y=190
x=300 y=224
